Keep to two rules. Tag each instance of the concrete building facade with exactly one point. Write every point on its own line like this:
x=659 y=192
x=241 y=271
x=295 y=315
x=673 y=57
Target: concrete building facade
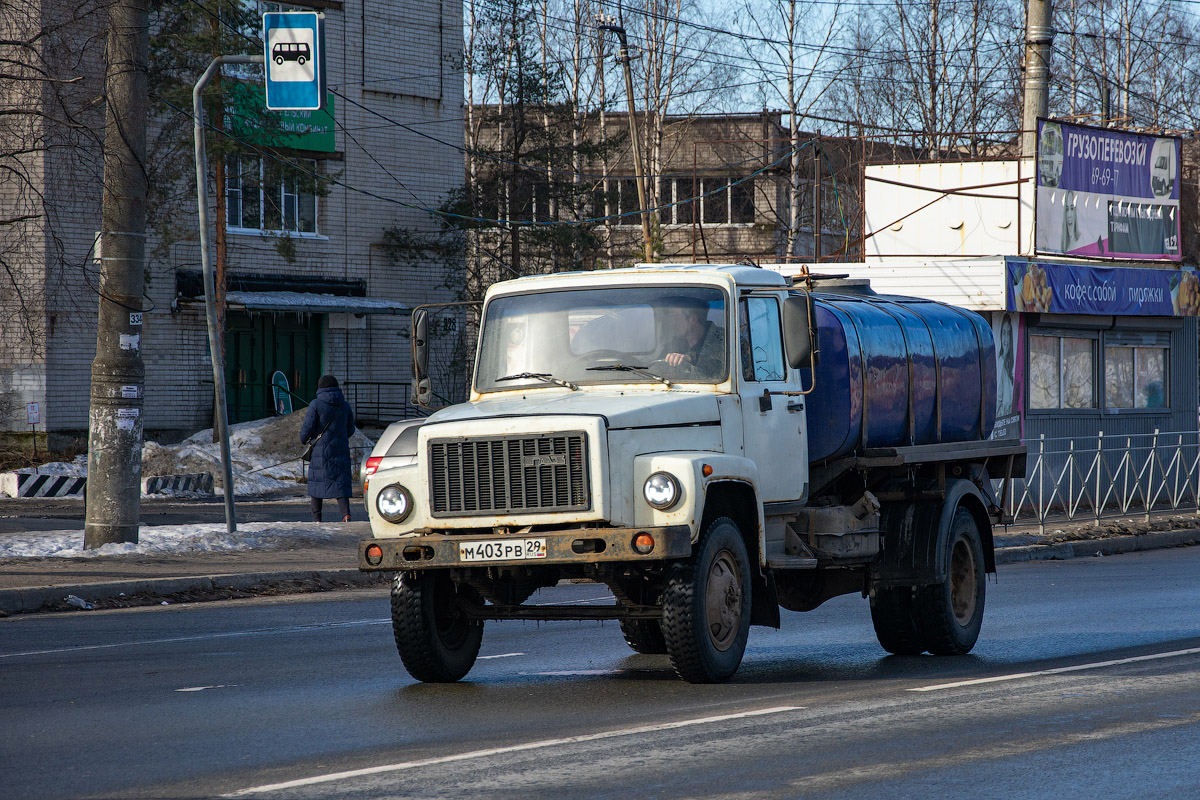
x=313 y=286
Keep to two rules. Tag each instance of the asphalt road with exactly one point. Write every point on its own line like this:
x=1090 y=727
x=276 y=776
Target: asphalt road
x=1091 y=670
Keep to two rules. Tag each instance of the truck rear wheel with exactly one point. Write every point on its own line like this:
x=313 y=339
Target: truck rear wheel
x=950 y=614
x=436 y=640
x=644 y=636
x=706 y=606
x=895 y=626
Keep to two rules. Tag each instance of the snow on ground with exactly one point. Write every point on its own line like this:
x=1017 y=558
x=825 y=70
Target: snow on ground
x=265 y=454
x=169 y=539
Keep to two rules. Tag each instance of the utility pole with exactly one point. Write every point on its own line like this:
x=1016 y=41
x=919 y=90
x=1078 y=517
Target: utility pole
x=624 y=58
x=1039 y=36
x=818 y=222
x=114 y=491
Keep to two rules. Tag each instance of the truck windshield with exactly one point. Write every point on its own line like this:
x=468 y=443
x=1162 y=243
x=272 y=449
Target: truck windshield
x=634 y=335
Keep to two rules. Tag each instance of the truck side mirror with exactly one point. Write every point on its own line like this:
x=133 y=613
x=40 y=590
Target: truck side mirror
x=799 y=319
x=422 y=386
x=420 y=343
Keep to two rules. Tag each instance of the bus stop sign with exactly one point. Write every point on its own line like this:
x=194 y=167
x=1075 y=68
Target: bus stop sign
x=295 y=60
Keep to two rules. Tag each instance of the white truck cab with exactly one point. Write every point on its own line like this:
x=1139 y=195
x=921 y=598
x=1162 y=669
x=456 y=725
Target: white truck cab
x=643 y=428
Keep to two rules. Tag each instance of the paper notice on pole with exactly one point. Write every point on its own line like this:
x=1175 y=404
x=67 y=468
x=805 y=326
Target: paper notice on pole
x=131 y=392
x=130 y=341
x=128 y=413
x=125 y=424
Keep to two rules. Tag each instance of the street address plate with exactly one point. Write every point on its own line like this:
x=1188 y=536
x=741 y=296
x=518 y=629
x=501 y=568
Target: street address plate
x=502 y=550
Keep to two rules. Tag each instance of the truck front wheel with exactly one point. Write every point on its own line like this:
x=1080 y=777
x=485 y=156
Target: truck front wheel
x=706 y=606
x=436 y=640
x=949 y=614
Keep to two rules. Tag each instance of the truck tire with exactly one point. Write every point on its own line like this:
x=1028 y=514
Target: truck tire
x=437 y=642
x=950 y=614
x=895 y=626
x=706 y=606
x=644 y=636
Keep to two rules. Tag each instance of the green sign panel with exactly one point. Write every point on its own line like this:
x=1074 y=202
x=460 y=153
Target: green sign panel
x=300 y=130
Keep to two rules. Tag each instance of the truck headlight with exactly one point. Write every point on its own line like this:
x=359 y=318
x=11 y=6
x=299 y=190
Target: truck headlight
x=661 y=490
x=394 y=503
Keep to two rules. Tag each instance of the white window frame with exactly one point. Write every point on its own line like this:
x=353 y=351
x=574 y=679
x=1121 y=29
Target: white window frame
x=285 y=198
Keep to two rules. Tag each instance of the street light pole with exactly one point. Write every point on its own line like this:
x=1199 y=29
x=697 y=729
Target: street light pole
x=210 y=292
x=624 y=58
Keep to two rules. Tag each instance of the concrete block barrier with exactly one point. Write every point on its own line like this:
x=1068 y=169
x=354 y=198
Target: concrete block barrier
x=32 y=484
x=194 y=482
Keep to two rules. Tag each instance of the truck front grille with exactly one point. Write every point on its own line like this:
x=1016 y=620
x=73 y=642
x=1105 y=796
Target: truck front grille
x=490 y=475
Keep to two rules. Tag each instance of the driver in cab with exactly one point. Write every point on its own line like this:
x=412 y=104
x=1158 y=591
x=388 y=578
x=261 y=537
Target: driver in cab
x=696 y=348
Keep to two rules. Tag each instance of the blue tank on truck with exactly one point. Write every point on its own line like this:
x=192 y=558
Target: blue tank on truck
x=895 y=371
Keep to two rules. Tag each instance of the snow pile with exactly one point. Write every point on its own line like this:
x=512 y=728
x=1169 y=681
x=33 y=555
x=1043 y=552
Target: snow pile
x=265 y=455
x=170 y=539
x=76 y=468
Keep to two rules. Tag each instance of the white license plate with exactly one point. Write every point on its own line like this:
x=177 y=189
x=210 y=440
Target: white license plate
x=502 y=550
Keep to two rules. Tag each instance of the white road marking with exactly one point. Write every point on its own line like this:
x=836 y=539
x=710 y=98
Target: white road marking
x=516 y=748
x=577 y=602
x=502 y=655
x=202 y=688
x=201 y=637
x=1057 y=671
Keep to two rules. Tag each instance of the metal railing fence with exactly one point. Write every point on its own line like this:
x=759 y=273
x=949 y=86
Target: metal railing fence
x=1075 y=479
x=381 y=402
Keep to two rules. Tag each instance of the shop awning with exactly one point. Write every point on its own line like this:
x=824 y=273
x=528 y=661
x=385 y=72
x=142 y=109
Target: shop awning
x=309 y=303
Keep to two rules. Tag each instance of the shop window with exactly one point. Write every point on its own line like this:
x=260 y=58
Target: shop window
x=1062 y=372
x=1136 y=377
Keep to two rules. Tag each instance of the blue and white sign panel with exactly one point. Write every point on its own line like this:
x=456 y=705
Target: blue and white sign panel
x=1106 y=193
x=295 y=60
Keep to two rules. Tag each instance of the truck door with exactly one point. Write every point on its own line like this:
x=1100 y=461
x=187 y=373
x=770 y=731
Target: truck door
x=773 y=429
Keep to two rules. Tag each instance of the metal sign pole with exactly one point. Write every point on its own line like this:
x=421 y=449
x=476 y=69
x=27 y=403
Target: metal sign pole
x=210 y=309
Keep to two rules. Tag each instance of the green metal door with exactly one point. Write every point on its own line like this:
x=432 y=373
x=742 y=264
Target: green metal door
x=256 y=345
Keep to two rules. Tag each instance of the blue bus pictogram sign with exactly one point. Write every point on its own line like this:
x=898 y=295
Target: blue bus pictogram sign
x=295 y=64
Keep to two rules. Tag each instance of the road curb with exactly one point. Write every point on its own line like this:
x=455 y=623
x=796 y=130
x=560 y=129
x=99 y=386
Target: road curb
x=15 y=601
x=1097 y=547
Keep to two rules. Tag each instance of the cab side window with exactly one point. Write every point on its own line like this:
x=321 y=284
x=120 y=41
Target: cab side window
x=759 y=340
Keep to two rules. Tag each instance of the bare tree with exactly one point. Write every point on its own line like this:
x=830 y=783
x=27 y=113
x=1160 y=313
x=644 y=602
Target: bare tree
x=945 y=70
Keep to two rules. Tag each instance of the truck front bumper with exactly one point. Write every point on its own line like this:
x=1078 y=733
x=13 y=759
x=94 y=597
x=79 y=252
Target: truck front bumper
x=579 y=546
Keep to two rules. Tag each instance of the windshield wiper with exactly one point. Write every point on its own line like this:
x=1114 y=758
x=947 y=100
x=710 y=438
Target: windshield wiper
x=544 y=377
x=645 y=373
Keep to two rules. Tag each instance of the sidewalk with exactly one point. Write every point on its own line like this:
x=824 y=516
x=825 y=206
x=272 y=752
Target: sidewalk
x=324 y=557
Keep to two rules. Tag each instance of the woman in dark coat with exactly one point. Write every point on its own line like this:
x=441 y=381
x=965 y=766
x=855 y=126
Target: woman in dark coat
x=330 y=468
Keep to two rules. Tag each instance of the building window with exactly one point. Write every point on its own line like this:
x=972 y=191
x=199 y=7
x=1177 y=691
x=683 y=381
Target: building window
x=1136 y=377
x=715 y=201
x=741 y=202
x=266 y=195
x=1062 y=372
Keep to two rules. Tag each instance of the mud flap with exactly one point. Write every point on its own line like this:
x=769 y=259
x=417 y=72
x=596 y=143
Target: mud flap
x=914 y=534
x=764 y=602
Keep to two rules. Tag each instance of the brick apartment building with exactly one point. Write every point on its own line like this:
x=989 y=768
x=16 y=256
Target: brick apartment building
x=332 y=299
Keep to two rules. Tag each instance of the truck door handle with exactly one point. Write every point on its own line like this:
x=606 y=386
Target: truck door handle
x=794 y=406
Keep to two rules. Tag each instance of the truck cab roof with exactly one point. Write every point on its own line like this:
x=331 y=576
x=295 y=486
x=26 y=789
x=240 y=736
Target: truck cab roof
x=741 y=275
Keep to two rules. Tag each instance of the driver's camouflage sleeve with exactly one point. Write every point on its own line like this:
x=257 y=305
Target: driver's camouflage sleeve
x=706 y=361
